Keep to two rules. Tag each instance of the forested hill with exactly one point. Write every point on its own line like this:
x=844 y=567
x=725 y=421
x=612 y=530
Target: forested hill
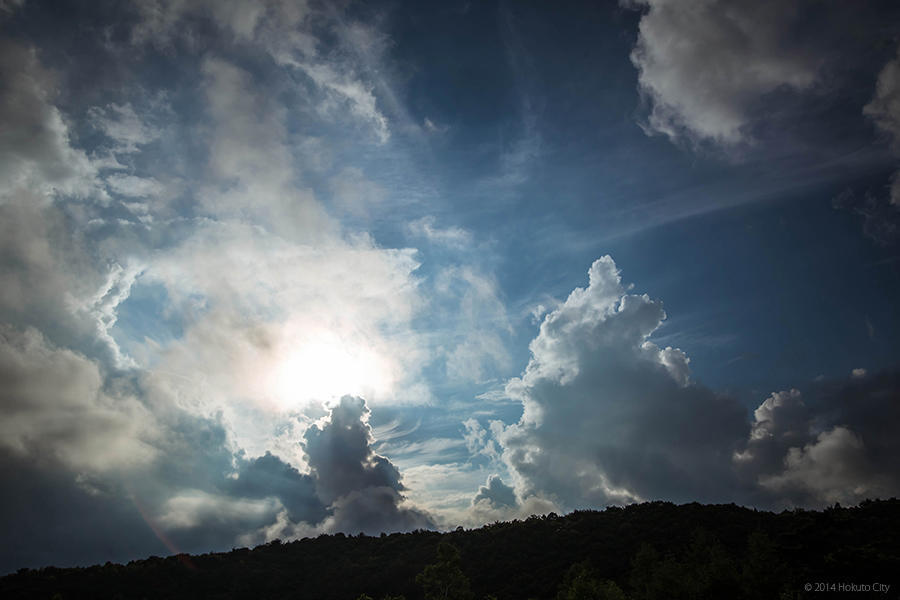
x=652 y=550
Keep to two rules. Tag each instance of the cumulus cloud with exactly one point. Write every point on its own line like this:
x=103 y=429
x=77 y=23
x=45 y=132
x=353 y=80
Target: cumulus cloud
x=361 y=488
x=830 y=469
x=609 y=417
x=881 y=211
x=54 y=407
x=179 y=477
x=781 y=422
x=495 y=493
x=268 y=476
x=35 y=151
x=187 y=438
x=479 y=440
x=703 y=64
x=45 y=268
x=832 y=446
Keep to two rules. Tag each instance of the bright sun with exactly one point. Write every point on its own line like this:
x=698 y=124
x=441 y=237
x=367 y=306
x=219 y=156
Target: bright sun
x=323 y=367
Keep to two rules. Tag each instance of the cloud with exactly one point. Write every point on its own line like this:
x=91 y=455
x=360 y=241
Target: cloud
x=881 y=212
x=54 y=407
x=196 y=509
x=833 y=446
x=880 y=216
x=703 y=64
x=55 y=520
x=831 y=469
x=780 y=423
x=453 y=237
x=45 y=268
x=268 y=476
x=479 y=323
x=157 y=379
x=121 y=124
x=353 y=194
x=361 y=488
x=35 y=151
x=134 y=187
x=294 y=35
x=479 y=441
x=609 y=417
x=884 y=108
x=346 y=90
x=496 y=493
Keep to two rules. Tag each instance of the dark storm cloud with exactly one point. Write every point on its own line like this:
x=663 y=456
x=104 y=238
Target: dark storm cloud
x=170 y=479
x=836 y=442
x=362 y=488
x=269 y=476
x=48 y=518
x=71 y=499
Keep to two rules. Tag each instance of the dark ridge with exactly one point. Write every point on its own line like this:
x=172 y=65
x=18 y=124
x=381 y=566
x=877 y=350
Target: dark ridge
x=651 y=550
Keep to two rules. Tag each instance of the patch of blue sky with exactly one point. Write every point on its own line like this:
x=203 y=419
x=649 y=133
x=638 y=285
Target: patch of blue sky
x=146 y=315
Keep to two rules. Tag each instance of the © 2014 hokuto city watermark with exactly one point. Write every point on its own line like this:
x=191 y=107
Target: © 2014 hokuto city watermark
x=844 y=586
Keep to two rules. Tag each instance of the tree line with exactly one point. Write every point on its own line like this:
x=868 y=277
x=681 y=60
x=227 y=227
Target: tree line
x=644 y=551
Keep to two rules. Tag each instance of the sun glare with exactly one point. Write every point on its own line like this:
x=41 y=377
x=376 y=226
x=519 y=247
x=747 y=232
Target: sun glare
x=325 y=367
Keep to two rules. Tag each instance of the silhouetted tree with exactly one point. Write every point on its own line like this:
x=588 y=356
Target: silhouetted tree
x=763 y=573
x=444 y=580
x=580 y=584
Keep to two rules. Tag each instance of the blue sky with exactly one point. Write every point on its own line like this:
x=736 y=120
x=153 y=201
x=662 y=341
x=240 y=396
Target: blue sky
x=277 y=268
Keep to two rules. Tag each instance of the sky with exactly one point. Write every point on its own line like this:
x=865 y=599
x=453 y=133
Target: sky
x=282 y=268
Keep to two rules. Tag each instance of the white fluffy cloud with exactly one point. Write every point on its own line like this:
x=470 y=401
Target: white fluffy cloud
x=53 y=407
x=704 y=63
x=609 y=417
x=833 y=448
x=831 y=469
